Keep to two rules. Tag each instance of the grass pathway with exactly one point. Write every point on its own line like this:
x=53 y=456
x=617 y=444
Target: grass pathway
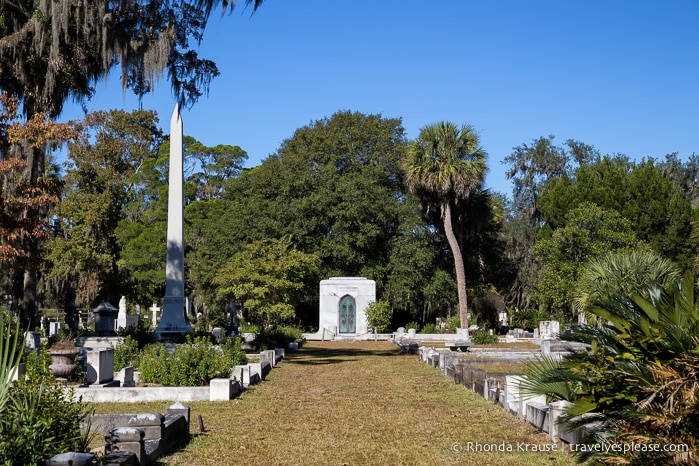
x=355 y=404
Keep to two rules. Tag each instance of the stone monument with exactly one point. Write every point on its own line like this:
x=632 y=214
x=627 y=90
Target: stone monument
x=173 y=320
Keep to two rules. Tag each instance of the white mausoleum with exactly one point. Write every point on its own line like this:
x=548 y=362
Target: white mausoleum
x=343 y=301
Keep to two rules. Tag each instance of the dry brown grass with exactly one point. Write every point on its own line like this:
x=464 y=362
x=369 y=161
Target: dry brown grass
x=354 y=404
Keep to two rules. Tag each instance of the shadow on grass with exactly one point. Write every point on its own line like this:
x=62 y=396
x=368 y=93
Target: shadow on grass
x=326 y=355
x=181 y=445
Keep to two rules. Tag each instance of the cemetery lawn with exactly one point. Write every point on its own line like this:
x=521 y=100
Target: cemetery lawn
x=355 y=403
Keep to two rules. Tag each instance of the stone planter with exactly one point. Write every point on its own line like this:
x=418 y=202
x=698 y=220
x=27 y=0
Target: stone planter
x=63 y=362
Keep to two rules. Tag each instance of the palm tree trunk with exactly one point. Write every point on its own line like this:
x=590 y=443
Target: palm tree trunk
x=458 y=264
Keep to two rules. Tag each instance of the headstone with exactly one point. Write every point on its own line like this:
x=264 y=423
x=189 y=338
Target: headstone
x=100 y=366
x=54 y=328
x=502 y=317
x=126 y=377
x=32 y=341
x=104 y=314
x=549 y=329
x=173 y=321
x=179 y=408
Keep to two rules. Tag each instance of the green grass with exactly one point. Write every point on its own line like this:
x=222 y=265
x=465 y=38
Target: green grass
x=354 y=403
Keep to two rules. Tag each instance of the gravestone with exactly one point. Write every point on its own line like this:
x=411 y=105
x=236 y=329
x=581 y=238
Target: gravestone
x=549 y=329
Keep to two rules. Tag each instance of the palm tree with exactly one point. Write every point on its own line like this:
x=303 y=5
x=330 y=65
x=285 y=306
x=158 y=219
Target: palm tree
x=444 y=167
x=621 y=274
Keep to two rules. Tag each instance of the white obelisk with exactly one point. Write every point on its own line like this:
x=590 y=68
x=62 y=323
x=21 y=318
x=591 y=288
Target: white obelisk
x=173 y=320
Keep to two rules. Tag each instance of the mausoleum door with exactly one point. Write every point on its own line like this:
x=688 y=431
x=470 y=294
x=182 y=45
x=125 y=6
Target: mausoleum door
x=348 y=319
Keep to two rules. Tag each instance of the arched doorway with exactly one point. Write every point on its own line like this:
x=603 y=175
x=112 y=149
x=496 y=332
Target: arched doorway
x=348 y=316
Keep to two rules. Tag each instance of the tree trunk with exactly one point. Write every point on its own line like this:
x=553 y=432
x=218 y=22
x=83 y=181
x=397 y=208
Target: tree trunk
x=35 y=169
x=458 y=263
x=29 y=314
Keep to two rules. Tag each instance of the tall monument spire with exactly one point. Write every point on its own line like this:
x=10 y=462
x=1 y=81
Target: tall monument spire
x=173 y=320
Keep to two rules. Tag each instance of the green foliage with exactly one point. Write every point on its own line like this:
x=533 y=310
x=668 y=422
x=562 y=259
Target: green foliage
x=41 y=421
x=638 y=377
x=11 y=347
x=412 y=325
x=445 y=168
x=194 y=363
x=429 y=328
x=482 y=337
x=528 y=319
x=621 y=274
x=141 y=333
x=379 y=314
x=101 y=182
x=37 y=365
x=589 y=232
x=643 y=193
x=126 y=353
x=336 y=187
x=280 y=336
x=452 y=323
x=249 y=328
x=266 y=276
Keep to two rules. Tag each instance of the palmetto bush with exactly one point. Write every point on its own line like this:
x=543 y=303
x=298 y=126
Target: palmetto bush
x=638 y=379
x=38 y=418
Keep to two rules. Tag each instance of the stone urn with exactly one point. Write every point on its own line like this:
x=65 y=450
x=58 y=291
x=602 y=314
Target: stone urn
x=63 y=360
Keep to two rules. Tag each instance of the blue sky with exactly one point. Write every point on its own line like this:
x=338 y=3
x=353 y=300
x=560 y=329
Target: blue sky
x=621 y=75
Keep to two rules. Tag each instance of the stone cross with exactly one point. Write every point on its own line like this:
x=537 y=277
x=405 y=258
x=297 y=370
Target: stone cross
x=155 y=309
x=173 y=320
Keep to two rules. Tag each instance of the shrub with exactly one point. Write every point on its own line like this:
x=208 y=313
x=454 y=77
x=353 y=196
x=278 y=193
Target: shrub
x=39 y=421
x=141 y=333
x=483 y=337
x=412 y=325
x=528 y=319
x=126 y=353
x=452 y=323
x=280 y=336
x=194 y=363
x=429 y=328
x=37 y=365
x=379 y=314
x=249 y=328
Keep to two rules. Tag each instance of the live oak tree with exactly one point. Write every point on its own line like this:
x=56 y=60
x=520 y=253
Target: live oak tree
x=532 y=168
x=335 y=186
